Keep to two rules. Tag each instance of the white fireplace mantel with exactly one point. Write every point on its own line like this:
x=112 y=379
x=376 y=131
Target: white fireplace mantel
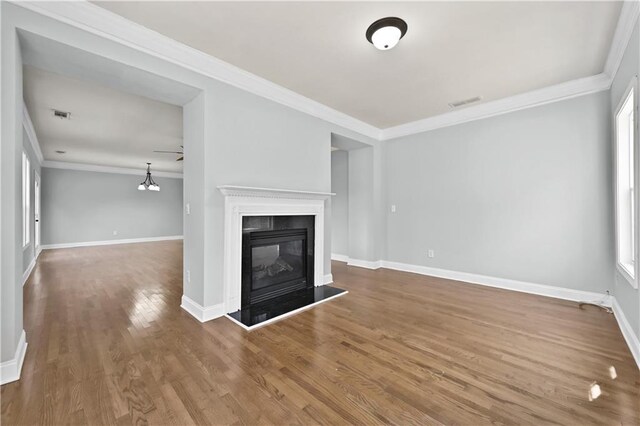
x=243 y=201
x=248 y=191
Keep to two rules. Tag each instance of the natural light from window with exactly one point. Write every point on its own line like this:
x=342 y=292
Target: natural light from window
x=625 y=186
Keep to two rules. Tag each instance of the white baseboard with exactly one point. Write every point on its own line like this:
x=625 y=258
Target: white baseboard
x=504 y=283
x=27 y=273
x=629 y=335
x=201 y=313
x=339 y=257
x=110 y=242
x=10 y=370
x=328 y=279
x=368 y=264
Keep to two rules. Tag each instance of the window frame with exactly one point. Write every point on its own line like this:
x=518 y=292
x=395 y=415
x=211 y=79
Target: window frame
x=623 y=267
x=26 y=200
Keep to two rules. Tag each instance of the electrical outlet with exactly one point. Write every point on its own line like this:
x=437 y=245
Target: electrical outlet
x=188 y=276
x=393 y=208
x=115 y=232
x=431 y=253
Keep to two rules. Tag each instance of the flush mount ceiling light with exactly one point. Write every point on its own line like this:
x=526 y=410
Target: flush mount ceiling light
x=385 y=33
x=149 y=183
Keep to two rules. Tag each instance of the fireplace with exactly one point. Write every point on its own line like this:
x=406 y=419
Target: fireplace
x=274 y=254
x=273 y=244
x=277 y=257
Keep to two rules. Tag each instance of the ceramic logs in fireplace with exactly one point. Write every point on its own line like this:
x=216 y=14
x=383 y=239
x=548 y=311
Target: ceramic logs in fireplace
x=277 y=256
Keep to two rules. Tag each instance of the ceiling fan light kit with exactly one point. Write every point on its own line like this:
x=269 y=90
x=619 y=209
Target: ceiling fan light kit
x=385 y=33
x=148 y=183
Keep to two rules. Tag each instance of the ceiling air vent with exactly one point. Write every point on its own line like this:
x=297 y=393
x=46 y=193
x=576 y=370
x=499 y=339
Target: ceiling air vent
x=62 y=114
x=464 y=102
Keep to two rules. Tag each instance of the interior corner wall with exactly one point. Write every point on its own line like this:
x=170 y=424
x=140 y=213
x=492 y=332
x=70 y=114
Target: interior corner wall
x=193 y=116
x=380 y=197
x=82 y=206
x=29 y=252
x=628 y=297
x=362 y=207
x=525 y=196
x=11 y=186
x=340 y=203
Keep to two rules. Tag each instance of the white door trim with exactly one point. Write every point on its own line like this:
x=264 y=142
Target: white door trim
x=37 y=207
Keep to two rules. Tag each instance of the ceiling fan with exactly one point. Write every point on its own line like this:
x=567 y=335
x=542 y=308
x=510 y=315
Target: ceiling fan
x=181 y=152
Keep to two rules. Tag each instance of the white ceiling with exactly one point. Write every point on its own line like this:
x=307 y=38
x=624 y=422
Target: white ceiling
x=69 y=61
x=452 y=50
x=108 y=127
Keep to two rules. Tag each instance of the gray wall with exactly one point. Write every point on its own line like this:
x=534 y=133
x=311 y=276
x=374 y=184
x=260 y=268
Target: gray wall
x=29 y=252
x=340 y=203
x=80 y=206
x=628 y=297
x=11 y=194
x=523 y=196
x=251 y=141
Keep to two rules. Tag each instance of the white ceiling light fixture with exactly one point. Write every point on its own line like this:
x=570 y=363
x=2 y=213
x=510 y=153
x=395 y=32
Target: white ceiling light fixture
x=385 y=33
x=149 y=183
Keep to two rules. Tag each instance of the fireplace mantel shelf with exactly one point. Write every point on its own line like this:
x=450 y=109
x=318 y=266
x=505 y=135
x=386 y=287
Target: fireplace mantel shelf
x=247 y=191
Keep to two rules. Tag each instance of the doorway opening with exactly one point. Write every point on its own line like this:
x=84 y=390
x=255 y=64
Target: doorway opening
x=114 y=249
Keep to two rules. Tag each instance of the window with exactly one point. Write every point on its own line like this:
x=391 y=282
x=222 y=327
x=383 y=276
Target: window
x=625 y=185
x=26 y=199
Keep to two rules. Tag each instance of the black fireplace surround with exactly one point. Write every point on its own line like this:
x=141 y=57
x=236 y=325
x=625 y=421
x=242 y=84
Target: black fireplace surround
x=277 y=257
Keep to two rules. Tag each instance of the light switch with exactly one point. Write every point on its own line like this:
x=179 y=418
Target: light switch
x=188 y=208
x=393 y=208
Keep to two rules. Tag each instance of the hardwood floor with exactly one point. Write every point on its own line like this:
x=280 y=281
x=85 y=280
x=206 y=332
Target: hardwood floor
x=109 y=344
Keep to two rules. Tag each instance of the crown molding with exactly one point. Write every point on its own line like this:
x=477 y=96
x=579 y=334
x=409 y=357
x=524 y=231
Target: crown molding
x=103 y=23
x=558 y=92
x=31 y=133
x=106 y=169
x=574 y=88
x=624 y=29
x=106 y=24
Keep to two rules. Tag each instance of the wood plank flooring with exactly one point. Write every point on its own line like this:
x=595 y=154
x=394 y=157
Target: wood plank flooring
x=109 y=344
